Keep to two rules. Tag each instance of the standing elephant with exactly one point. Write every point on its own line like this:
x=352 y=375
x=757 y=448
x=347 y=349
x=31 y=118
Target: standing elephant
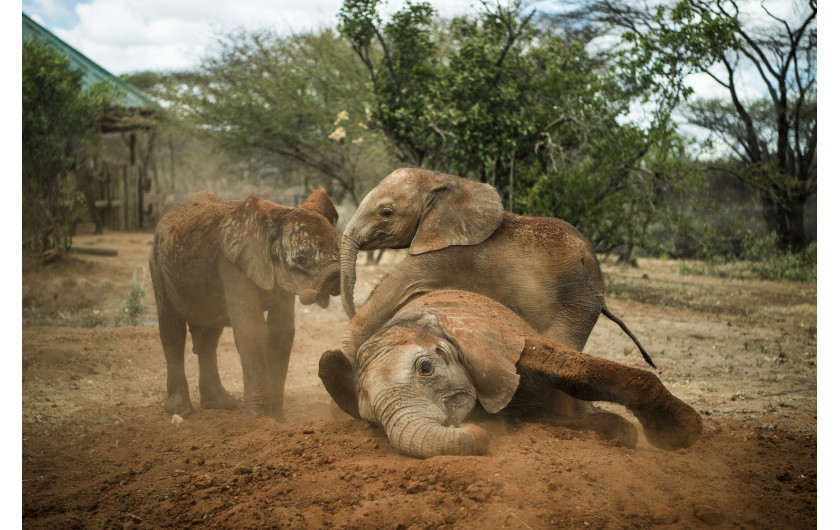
x=217 y=263
x=460 y=237
x=419 y=377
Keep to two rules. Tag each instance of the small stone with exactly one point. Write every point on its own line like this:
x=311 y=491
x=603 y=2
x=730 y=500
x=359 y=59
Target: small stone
x=177 y=420
x=708 y=514
x=203 y=481
x=242 y=468
x=477 y=493
x=415 y=487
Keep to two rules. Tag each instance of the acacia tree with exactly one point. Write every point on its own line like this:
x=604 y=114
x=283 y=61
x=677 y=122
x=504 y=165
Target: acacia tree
x=283 y=103
x=774 y=138
x=60 y=134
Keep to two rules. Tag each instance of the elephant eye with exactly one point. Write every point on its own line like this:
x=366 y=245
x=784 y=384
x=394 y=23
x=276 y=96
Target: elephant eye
x=425 y=367
x=386 y=212
x=300 y=260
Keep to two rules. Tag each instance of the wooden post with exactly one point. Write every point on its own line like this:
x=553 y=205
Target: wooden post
x=123 y=172
x=137 y=206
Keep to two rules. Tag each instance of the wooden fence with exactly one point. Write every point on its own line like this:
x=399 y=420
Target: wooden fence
x=119 y=197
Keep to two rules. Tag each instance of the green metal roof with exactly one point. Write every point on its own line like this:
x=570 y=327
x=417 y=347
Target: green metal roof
x=93 y=73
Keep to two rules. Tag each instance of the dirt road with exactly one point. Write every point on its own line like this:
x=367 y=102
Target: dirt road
x=99 y=451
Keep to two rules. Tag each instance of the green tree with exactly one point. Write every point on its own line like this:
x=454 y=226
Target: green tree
x=619 y=180
x=513 y=103
x=774 y=139
x=60 y=135
x=401 y=61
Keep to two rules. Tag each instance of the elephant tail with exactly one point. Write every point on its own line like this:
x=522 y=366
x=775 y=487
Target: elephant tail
x=609 y=314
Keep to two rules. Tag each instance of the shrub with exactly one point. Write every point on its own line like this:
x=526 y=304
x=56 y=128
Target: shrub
x=770 y=263
x=133 y=303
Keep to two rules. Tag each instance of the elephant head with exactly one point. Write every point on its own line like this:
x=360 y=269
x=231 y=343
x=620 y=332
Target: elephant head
x=421 y=374
x=421 y=210
x=295 y=249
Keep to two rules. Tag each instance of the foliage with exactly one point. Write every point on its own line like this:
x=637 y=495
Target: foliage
x=774 y=138
x=133 y=307
x=60 y=135
x=403 y=72
x=501 y=99
x=285 y=104
x=770 y=263
x=763 y=259
x=527 y=105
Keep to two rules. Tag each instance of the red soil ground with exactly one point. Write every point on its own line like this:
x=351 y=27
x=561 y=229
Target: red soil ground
x=99 y=450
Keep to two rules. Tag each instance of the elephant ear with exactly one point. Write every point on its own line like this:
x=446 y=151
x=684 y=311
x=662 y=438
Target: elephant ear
x=336 y=372
x=319 y=202
x=246 y=242
x=457 y=211
x=489 y=350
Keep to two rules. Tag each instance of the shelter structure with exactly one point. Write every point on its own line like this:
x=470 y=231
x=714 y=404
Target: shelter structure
x=122 y=178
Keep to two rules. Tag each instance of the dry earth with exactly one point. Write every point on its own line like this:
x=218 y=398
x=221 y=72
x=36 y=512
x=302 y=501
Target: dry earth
x=99 y=451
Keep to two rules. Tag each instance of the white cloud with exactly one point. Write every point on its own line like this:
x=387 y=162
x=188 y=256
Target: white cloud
x=132 y=35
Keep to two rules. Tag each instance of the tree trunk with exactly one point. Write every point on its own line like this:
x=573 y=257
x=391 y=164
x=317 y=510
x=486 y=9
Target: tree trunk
x=787 y=219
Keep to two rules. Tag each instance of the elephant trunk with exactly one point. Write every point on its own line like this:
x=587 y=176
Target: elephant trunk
x=422 y=437
x=349 y=251
x=325 y=283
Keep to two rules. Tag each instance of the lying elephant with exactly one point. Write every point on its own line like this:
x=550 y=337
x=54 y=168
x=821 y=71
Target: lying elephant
x=217 y=263
x=419 y=377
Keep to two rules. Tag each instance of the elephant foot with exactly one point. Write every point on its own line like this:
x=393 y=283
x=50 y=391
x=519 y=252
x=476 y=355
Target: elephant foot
x=219 y=399
x=678 y=429
x=607 y=426
x=178 y=404
x=263 y=410
x=252 y=414
x=277 y=413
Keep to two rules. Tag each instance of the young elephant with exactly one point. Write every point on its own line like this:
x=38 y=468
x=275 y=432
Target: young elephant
x=420 y=375
x=460 y=237
x=217 y=263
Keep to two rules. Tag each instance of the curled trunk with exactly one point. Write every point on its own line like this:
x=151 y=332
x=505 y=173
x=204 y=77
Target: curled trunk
x=349 y=251
x=422 y=437
x=325 y=283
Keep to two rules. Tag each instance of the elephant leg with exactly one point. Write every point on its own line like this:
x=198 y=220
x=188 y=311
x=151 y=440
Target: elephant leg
x=606 y=425
x=668 y=422
x=251 y=335
x=281 y=335
x=173 y=336
x=213 y=394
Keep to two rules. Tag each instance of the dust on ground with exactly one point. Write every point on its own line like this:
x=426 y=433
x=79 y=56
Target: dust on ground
x=99 y=450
